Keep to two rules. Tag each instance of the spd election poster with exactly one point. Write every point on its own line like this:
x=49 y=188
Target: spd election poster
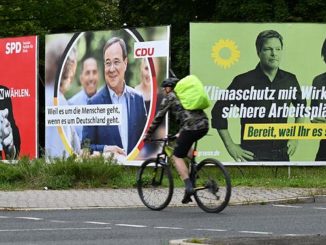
x=102 y=91
x=18 y=97
x=266 y=82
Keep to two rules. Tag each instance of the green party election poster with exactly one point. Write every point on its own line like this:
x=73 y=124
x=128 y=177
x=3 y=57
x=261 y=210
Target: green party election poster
x=266 y=83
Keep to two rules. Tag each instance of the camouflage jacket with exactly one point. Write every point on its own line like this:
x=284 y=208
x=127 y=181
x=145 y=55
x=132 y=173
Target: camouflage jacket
x=188 y=120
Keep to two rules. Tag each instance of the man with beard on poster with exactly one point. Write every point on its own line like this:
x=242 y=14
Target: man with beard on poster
x=9 y=133
x=267 y=76
x=118 y=139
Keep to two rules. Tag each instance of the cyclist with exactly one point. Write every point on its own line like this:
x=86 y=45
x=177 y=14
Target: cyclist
x=193 y=126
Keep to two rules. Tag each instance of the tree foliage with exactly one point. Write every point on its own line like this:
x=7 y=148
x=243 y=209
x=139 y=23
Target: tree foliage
x=24 y=17
x=178 y=14
x=30 y=17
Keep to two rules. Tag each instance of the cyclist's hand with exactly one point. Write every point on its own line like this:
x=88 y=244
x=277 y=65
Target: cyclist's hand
x=239 y=154
x=292 y=146
x=114 y=149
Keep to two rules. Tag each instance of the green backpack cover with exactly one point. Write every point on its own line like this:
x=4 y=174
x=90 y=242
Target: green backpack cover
x=191 y=93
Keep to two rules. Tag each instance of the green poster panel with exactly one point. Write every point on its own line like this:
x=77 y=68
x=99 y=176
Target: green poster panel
x=224 y=55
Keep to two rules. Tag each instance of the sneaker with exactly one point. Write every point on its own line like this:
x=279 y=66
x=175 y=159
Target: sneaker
x=187 y=196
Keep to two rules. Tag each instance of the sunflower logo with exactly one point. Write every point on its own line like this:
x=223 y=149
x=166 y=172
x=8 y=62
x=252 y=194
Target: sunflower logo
x=225 y=53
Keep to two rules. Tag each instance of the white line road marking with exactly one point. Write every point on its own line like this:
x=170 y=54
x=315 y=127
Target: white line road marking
x=200 y=229
x=128 y=225
x=286 y=206
x=57 y=229
x=166 y=227
x=96 y=223
x=257 y=232
x=297 y=234
x=58 y=221
x=4 y=217
x=319 y=208
x=29 y=218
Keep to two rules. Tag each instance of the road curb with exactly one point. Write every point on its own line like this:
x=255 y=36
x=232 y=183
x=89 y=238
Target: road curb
x=311 y=199
x=271 y=240
x=320 y=199
x=279 y=201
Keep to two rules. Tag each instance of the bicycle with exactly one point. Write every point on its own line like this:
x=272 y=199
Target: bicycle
x=210 y=179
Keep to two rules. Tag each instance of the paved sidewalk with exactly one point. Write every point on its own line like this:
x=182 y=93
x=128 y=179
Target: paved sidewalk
x=123 y=198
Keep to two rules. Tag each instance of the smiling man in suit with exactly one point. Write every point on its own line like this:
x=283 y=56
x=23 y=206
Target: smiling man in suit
x=120 y=139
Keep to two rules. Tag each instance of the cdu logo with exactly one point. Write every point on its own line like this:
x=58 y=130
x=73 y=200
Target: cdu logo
x=151 y=49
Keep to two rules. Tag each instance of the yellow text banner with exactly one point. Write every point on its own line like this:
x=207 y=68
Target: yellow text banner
x=283 y=131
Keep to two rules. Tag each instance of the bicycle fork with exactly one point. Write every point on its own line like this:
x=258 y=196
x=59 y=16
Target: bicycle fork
x=158 y=173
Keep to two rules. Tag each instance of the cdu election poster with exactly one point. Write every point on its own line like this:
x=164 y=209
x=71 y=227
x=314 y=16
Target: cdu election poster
x=102 y=92
x=267 y=86
x=18 y=97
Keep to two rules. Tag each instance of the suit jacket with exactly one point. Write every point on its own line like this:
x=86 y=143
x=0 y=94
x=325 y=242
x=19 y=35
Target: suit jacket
x=100 y=136
x=5 y=102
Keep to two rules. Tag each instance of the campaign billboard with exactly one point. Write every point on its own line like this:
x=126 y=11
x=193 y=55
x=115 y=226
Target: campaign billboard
x=18 y=97
x=266 y=82
x=102 y=91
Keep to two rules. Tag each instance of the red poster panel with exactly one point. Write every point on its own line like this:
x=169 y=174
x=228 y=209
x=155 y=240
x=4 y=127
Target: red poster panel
x=18 y=97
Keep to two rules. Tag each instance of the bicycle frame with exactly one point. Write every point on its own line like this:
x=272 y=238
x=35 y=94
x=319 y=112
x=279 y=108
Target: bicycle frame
x=163 y=156
x=166 y=153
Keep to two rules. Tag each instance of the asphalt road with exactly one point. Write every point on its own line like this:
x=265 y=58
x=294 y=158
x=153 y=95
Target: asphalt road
x=142 y=226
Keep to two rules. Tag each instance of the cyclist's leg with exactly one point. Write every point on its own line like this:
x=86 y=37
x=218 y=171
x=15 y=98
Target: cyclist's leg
x=181 y=167
x=196 y=136
x=183 y=146
x=200 y=134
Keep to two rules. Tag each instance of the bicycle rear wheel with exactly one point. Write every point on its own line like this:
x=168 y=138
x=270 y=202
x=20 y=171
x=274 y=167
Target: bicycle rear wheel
x=212 y=185
x=155 y=184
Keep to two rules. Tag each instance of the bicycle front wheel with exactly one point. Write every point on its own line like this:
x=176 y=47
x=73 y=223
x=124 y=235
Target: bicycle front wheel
x=212 y=185
x=155 y=184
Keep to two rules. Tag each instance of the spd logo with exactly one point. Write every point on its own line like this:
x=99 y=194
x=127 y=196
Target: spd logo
x=13 y=47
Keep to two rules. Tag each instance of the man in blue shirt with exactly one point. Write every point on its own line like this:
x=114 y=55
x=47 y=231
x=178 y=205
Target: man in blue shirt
x=120 y=139
x=267 y=76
